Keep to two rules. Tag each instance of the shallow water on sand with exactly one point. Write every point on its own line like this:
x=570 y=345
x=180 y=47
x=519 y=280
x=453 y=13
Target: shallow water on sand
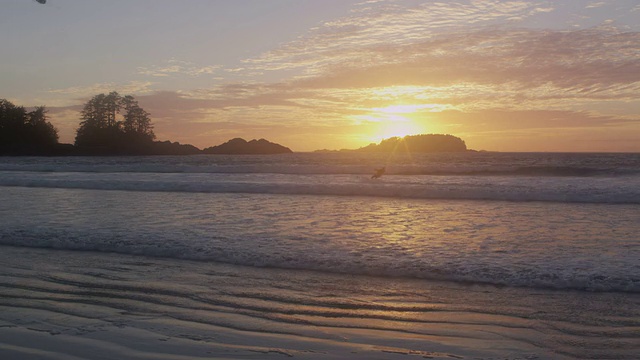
x=243 y=310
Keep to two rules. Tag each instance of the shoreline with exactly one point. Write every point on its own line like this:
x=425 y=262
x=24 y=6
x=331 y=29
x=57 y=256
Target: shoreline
x=64 y=304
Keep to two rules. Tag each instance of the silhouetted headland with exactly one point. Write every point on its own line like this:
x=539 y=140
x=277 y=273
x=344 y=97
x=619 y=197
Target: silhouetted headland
x=110 y=124
x=239 y=146
x=423 y=143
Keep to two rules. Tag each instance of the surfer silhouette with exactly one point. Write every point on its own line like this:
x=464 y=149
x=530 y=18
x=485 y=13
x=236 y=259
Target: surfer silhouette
x=378 y=173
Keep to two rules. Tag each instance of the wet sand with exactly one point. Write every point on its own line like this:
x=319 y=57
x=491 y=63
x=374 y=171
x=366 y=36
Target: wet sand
x=81 y=305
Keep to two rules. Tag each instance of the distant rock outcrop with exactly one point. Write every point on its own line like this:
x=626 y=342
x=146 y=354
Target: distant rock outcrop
x=425 y=143
x=254 y=147
x=173 y=148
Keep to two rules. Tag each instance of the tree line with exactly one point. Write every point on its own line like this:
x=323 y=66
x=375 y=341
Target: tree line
x=114 y=122
x=23 y=131
x=109 y=124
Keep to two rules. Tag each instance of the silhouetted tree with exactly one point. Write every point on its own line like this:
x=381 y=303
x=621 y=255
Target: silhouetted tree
x=11 y=122
x=112 y=104
x=24 y=132
x=136 y=119
x=43 y=133
x=100 y=126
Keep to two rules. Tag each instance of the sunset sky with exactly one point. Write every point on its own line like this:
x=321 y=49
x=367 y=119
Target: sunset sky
x=315 y=74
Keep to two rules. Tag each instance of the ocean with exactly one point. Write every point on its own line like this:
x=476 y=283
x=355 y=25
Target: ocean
x=541 y=250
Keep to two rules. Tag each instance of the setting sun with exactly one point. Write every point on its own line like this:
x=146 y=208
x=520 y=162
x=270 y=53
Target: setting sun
x=396 y=120
x=396 y=125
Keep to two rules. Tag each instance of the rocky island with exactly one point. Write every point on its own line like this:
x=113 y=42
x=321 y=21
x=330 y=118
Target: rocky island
x=423 y=143
x=240 y=146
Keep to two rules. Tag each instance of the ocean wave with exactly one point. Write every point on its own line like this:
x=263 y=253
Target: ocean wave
x=409 y=187
x=461 y=272
x=341 y=169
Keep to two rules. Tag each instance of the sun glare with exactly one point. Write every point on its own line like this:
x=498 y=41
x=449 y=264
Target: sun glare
x=383 y=126
x=396 y=120
x=399 y=127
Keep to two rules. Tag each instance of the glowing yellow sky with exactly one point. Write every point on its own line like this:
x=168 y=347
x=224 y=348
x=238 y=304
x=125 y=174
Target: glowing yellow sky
x=314 y=74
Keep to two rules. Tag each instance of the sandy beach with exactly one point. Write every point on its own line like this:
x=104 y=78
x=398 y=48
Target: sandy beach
x=80 y=305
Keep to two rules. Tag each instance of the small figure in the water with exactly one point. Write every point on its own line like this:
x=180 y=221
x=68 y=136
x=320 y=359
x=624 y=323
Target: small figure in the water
x=378 y=173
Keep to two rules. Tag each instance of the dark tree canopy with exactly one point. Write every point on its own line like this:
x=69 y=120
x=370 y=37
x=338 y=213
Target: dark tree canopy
x=25 y=132
x=115 y=123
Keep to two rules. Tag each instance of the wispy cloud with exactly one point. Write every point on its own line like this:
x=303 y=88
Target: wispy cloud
x=175 y=67
x=596 y=4
x=438 y=47
x=132 y=87
x=358 y=39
